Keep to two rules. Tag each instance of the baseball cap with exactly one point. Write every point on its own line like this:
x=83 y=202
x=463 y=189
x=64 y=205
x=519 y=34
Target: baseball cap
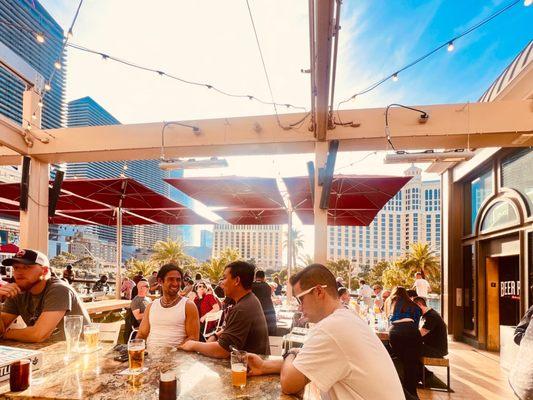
x=28 y=257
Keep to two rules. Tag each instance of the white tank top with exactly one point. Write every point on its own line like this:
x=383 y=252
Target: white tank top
x=167 y=325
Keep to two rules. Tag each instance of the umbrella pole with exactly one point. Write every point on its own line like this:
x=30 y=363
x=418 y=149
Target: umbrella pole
x=289 y=254
x=118 y=277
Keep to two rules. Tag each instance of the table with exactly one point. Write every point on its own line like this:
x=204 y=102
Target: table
x=94 y=376
x=97 y=307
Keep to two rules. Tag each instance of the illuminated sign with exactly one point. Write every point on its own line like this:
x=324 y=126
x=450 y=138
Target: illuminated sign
x=509 y=288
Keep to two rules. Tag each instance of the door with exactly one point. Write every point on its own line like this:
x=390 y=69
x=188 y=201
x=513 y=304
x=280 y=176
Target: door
x=493 y=304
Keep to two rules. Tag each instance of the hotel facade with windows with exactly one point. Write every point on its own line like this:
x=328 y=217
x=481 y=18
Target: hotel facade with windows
x=412 y=215
x=261 y=243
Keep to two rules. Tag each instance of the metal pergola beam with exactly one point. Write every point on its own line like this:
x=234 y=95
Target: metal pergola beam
x=472 y=125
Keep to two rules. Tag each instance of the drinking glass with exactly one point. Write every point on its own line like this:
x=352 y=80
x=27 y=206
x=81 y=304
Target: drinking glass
x=239 y=364
x=20 y=375
x=90 y=335
x=136 y=354
x=72 y=325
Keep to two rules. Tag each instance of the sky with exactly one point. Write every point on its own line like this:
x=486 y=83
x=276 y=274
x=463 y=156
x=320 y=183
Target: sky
x=212 y=41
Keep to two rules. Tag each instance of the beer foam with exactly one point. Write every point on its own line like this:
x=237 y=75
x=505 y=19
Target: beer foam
x=168 y=376
x=238 y=368
x=136 y=348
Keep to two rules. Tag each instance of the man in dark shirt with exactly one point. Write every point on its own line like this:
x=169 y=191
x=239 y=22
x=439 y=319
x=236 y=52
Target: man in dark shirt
x=263 y=292
x=434 y=332
x=245 y=327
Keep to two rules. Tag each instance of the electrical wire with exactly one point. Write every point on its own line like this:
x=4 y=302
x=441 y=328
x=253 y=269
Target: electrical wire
x=265 y=68
x=357 y=161
x=387 y=129
x=423 y=57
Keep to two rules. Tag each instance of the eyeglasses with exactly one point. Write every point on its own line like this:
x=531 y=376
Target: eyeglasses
x=298 y=297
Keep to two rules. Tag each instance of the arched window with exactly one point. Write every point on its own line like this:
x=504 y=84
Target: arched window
x=499 y=214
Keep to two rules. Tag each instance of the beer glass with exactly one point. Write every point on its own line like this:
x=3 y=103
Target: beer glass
x=90 y=335
x=239 y=363
x=20 y=375
x=72 y=326
x=136 y=354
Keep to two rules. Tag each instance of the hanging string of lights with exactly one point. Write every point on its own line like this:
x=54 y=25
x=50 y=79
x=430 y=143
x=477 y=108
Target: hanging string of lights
x=448 y=44
x=41 y=37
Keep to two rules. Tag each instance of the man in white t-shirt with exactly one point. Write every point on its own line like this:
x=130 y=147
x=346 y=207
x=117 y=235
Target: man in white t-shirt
x=365 y=292
x=341 y=356
x=421 y=286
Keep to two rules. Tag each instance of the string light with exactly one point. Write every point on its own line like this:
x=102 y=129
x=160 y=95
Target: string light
x=40 y=103
x=57 y=65
x=446 y=44
x=47 y=87
x=125 y=167
x=527 y=3
x=39 y=37
x=70 y=34
x=33 y=116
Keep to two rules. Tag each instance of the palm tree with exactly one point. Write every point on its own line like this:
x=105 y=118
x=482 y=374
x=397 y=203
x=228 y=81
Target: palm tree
x=136 y=267
x=297 y=244
x=169 y=251
x=306 y=260
x=340 y=268
x=213 y=269
x=420 y=258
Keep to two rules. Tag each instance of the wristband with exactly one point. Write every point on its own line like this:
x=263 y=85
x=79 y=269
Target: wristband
x=289 y=352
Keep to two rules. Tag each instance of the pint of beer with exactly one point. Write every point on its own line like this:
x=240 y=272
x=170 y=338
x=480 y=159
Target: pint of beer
x=136 y=354
x=239 y=364
x=90 y=336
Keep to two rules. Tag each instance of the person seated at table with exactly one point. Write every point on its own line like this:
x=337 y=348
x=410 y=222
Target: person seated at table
x=135 y=313
x=263 y=292
x=341 y=356
x=101 y=285
x=434 y=331
x=365 y=293
x=344 y=297
x=171 y=319
x=206 y=303
x=69 y=274
x=245 y=325
x=126 y=288
x=40 y=299
x=152 y=281
x=404 y=337
x=279 y=288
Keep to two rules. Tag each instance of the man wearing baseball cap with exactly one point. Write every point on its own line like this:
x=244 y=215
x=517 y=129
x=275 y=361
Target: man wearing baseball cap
x=40 y=299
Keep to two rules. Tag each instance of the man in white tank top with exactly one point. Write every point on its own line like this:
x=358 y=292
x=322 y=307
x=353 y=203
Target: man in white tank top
x=170 y=320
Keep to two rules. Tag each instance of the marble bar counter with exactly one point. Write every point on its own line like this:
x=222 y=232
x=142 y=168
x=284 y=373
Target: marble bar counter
x=96 y=376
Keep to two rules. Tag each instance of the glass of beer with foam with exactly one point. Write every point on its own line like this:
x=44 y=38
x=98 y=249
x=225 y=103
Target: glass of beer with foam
x=90 y=336
x=136 y=354
x=239 y=364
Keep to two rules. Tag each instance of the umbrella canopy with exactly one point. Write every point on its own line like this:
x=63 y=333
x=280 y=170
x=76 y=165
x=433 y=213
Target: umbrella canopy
x=354 y=199
x=255 y=217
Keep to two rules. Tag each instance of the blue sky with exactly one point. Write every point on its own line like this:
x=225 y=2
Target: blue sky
x=212 y=41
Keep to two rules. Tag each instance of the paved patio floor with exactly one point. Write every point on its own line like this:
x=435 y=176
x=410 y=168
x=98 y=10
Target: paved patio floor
x=475 y=374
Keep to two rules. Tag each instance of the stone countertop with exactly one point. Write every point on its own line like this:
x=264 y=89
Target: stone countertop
x=95 y=376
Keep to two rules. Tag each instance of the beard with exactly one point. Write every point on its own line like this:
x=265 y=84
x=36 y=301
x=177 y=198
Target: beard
x=26 y=284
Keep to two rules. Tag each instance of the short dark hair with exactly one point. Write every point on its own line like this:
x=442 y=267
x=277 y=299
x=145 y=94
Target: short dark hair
x=342 y=290
x=165 y=269
x=244 y=270
x=314 y=275
x=411 y=293
x=103 y=276
x=420 y=300
x=69 y=267
x=259 y=274
x=198 y=276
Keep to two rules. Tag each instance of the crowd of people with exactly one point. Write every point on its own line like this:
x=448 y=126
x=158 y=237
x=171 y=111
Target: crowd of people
x=341 y=357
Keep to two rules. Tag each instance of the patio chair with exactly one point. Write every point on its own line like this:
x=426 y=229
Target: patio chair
x=436 y=362
x=211 y=317
x=110 y=331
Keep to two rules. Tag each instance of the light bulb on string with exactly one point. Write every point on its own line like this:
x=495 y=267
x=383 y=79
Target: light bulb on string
x=125 y=167
x=395 y=78
x=39 y=37
x=40 y=103
x=33 y=116
x=70 y=34
x=57 y=65
x=47 y=87
x=527 y=3
x=451 y=46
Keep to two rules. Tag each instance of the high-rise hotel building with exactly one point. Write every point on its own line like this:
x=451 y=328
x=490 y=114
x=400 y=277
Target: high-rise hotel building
x=262 y=243
x=412 y=215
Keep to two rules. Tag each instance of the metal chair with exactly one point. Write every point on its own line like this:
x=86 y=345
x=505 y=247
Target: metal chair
x=211 y=317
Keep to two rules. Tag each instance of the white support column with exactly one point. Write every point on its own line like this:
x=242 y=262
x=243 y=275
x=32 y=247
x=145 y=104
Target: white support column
x=34 y=221
x=289 y=253
x=118 y=277
x=321 y=216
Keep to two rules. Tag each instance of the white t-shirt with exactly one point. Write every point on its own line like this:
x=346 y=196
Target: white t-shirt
x=422 y=287
x=345 y=360
x=365 y=291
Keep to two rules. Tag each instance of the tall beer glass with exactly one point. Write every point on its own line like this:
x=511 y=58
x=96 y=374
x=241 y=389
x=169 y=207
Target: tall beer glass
x=90 y=335
x=72 y=326
x=136 y=354
x=239 y=363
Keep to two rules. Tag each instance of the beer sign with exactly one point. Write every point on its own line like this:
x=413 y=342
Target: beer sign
x=510 y=289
